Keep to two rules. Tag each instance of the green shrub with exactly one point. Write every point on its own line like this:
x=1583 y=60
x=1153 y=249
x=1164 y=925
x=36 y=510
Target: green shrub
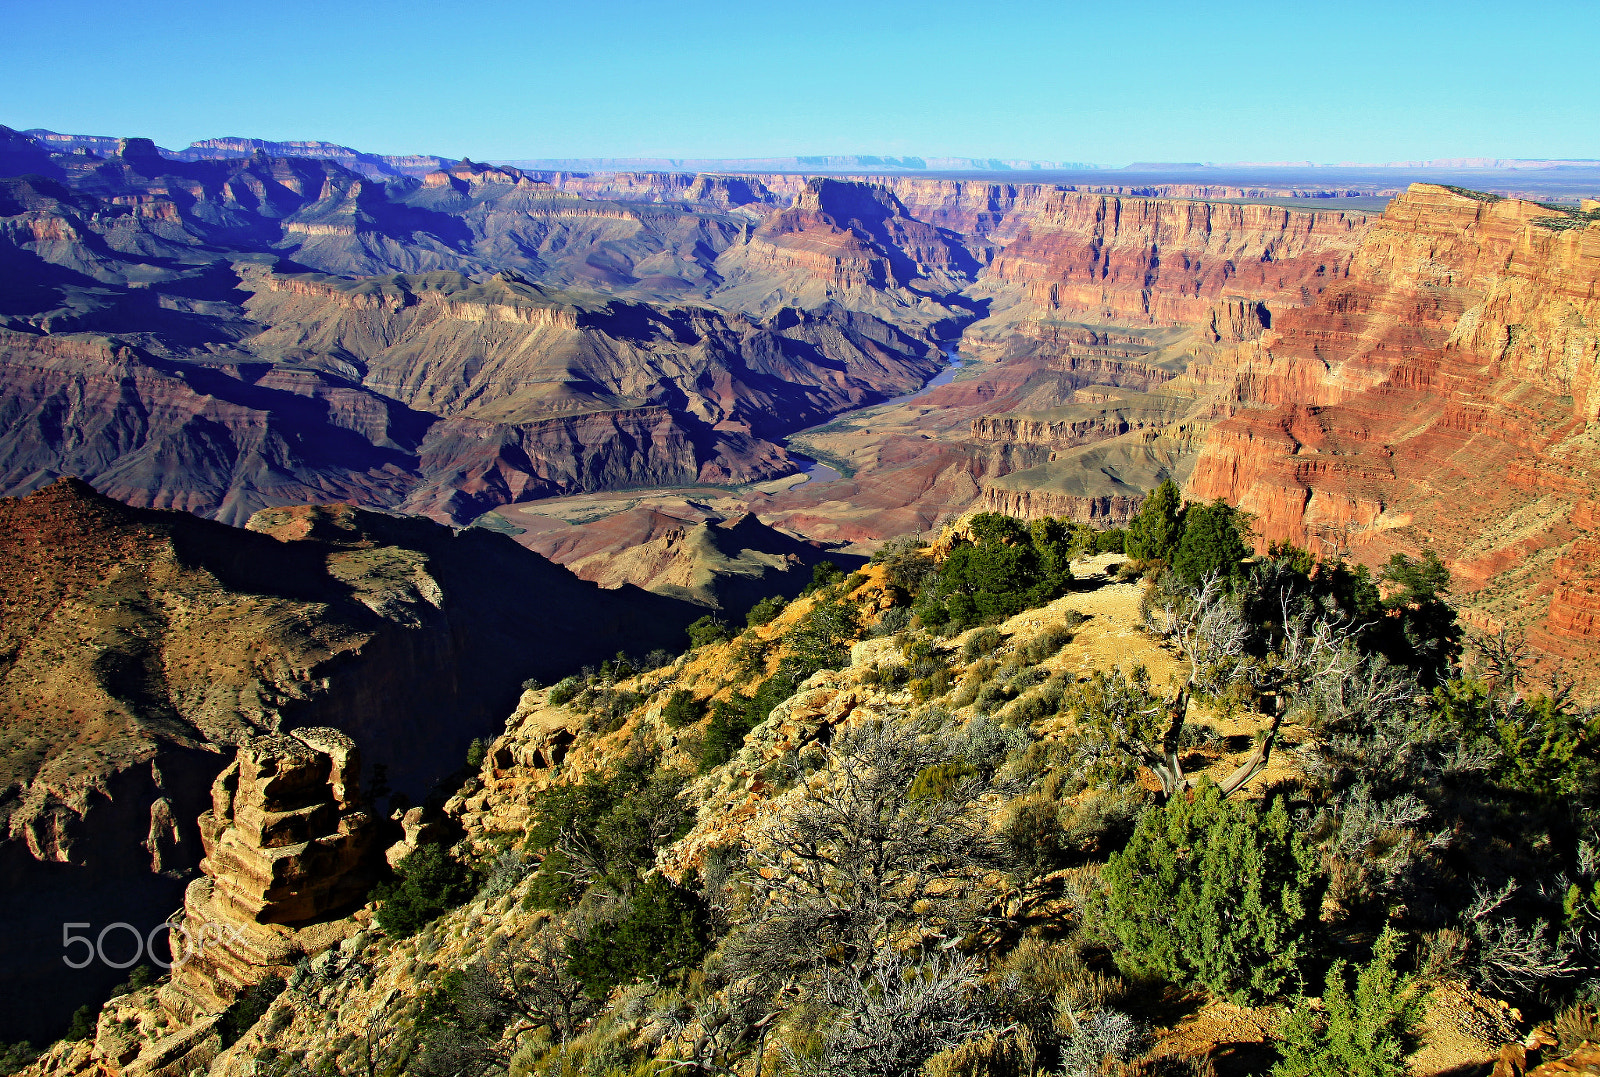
x=1215 y=892
x=937 y=781
x=888 y=676
x=1008 y=567
x=908 y=569
x=1112 y=540
x=605 y=828
x=1539 y=745
x=1041 y=978
x=142 y=976
x=564 y=691
x=765 y=611
x=428 y=882
x=477 y=751
x=749 y=654
x=987 y=744
x=82 y=1025
x=978 y=675
x=823 y=573
x=1026 y=678
x=682 y=708
x=1213 y=542
x=251 y=1005
x=1364 y=1033
x=983 y=642
x=14 y=1056
x=663 y=931
x=730 y=724
x=1419 y=627
x=1102 y=822
x=1034 y=835
x=1154 y=534
x=991 y=697
x=821 y=640
x=932 y=686
x=1033 y=707
x=708 y=630
x=1046 y=644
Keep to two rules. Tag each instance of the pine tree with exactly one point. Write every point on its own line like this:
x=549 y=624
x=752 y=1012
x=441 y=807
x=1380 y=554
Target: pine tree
x=663 y=931
x=428 y=882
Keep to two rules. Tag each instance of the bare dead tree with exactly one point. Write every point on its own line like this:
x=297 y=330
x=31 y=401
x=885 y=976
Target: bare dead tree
x=713 y=1034
x=1516 y=958
x=897 y=1016
x=1120 y=715
x=1309 y=651
x=858 y=859
x=383 y=1044
x=380 y=1048
x=1310 y=655
x=533 y=978
x=1206 y=628
x=1503 y=659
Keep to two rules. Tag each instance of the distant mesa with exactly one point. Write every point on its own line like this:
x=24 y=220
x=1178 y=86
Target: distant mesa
x=809 y=164
x=136 y=147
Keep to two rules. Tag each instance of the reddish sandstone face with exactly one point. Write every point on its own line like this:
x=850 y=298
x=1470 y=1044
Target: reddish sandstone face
x=1444 y=395
x=1139 y=261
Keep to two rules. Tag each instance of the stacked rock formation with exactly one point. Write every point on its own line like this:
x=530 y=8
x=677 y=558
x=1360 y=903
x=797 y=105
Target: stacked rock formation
x=290 y=849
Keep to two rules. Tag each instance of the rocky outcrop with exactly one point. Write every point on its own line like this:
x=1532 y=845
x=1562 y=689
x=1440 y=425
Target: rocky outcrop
x=291 y=848
x=288 y=839
x=291 y=853
x=853 y=244
x=1103 y=510
x=138 y=647
x=1069 y=426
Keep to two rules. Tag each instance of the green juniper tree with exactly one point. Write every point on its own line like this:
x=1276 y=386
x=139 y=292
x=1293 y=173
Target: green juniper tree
x=1154 y=534
x=1215 y=892
x=1366 y=1032
x=1212 y=543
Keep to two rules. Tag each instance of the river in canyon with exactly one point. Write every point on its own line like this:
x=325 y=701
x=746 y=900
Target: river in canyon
x=815 y=471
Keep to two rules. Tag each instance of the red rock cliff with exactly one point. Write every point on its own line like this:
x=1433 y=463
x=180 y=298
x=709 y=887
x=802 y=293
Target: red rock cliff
x=1445 y=394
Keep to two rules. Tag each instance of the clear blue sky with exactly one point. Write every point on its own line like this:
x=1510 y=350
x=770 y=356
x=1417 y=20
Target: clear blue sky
x=1107 y=82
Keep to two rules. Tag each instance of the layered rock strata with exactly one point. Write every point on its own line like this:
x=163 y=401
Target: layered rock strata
x=291 y=852
x=1446 y=395
x=291 y=847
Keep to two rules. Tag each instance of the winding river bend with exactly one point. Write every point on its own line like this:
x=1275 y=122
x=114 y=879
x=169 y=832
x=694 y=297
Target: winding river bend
x=815 y=471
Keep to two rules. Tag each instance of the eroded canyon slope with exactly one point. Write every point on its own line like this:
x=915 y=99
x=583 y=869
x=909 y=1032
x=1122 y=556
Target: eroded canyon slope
x=164 y=337
x=224 y=335
x=1443 y=396
x=137 y=645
